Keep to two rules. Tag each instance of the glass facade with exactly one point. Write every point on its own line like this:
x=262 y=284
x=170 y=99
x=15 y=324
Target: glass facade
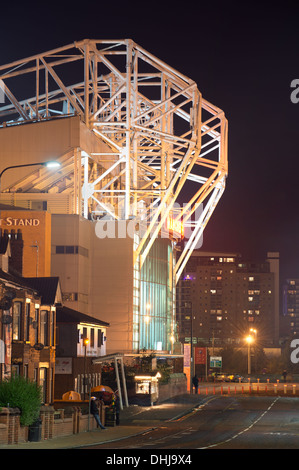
x=156 y=314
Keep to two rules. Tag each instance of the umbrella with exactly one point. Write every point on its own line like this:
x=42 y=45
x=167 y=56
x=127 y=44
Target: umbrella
x=71 y=395
x=102 y=388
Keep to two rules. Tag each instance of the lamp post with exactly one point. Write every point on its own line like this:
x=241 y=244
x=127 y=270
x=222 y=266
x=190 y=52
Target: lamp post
x=49 y=164
x=254 y=331
x=249 y=340
x=85 y=342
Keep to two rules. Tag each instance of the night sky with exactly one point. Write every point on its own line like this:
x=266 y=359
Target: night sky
x=243 y=59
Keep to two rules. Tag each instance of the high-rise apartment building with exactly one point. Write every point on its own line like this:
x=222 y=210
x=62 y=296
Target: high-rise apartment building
x=291 y=305
x=220 y=297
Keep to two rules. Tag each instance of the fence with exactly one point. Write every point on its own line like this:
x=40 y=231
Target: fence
x=54 y=423
x=257 y=388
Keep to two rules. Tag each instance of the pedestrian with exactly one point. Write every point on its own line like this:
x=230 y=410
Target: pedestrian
x=195 y=382
x=94 y=410
x=117 y=407
x=284 y=374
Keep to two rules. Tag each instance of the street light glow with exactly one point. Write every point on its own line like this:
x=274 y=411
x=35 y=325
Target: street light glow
x=249 y=339
x=52 y=164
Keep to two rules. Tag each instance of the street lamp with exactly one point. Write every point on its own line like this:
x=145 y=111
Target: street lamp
x=49 y=164
x=85 y=343
x=254 y=331
x=249 y=340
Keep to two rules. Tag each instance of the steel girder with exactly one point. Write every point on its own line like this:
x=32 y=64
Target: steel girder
x=164 y=141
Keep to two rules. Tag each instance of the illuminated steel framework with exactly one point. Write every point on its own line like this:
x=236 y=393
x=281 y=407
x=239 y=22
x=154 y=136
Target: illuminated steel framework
x=158 y=130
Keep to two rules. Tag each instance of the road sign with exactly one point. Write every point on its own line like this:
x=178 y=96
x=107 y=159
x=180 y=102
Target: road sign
x=216 y=361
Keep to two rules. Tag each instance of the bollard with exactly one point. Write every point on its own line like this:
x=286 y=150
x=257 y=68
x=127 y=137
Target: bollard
x=214 y=391
x=294 y=389
x=275 y=388
x=284 y=388
x=242 y=389
x=221 y=390
x=198 y=391
x=268 y=381
x=206 y=390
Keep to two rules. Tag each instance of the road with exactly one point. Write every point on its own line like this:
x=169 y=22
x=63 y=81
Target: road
x=226 y=422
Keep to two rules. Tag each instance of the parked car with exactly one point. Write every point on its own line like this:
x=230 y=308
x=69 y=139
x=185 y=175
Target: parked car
x=231 y=378
x=238 y=378
x=220 y=377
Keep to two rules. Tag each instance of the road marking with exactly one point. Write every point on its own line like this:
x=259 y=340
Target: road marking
x=244 y=430
x=194 y=410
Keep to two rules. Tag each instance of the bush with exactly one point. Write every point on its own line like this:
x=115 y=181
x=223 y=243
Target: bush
x=20 y=393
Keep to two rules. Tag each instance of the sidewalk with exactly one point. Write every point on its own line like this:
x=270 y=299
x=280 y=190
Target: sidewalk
x=134 y=420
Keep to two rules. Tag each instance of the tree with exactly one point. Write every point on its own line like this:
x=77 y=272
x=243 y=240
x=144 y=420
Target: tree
x=18 y=392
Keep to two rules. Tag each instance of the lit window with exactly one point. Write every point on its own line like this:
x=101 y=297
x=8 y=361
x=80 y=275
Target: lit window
x=16 y=324
x=251 y=278
x=44 y=327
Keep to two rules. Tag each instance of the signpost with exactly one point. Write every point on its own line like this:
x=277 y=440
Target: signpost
x=216 y=361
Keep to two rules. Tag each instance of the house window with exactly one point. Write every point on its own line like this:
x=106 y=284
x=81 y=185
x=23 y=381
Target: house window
x=16 y=325
x=43 y=382
x=52 y=328
x=35 y=325
x=27 y=321
x=44 y=327
x=91 y=337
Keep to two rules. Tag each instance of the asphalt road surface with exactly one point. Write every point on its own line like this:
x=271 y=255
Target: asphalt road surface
x=225 y=422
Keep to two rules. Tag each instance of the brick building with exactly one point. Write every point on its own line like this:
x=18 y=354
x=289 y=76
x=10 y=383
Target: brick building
x=27 y=325
x=74 y=359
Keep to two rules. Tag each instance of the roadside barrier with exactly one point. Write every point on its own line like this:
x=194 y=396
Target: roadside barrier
x=251 y=388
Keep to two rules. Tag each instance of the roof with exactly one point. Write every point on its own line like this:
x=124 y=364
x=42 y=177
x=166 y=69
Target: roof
x=18 y=281
x=68 y=315
x=47 y=287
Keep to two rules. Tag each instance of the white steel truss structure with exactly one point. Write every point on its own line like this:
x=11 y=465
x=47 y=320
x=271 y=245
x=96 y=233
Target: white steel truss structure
x=164 y=142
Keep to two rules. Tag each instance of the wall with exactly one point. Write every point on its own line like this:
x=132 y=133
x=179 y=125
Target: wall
x=54 y=423
x=101 y=275
x=35 y=143
x=35 y=227
x=177 y=385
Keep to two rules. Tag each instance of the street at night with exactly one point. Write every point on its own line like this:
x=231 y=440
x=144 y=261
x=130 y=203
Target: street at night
x=222 y=422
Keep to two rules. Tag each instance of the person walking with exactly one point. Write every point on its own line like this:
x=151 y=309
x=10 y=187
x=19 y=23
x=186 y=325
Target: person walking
x=195 y=383
x=284 y=374
x=94 y=410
